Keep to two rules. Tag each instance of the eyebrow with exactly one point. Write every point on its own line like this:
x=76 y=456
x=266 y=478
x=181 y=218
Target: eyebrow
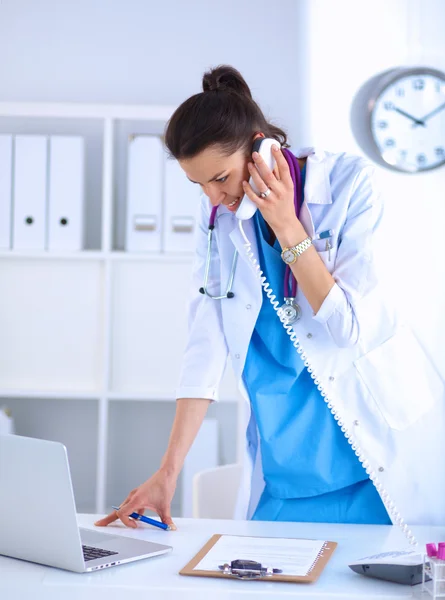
x=210 y=180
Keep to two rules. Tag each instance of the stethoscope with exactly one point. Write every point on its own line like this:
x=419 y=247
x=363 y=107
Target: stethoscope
x=290 y=310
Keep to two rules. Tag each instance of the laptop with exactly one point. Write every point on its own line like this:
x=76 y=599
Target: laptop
x=38 y=513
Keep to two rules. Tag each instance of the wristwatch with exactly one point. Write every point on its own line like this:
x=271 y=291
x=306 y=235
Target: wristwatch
x=290 y=255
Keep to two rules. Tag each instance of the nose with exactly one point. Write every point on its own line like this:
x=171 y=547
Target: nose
x=216 y=196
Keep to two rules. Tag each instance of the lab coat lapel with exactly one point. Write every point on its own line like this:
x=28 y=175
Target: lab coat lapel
x=306 y=220
x=240 y=243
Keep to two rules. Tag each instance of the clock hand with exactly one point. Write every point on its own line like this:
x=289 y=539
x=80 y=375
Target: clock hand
x=405 y=114
x=432 y=113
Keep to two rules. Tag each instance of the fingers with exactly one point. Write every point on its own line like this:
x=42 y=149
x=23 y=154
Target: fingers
x=114 y=516
x=261 y=173
x=280 y=172
x=281 y=165
x=166 y=518
x=124 y=513
x=125 y=509
x=258 y=181
x=164 y=515
x=248 y=190
x=107 y=520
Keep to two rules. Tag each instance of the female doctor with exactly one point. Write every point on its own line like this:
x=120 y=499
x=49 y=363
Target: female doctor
x=336 y=428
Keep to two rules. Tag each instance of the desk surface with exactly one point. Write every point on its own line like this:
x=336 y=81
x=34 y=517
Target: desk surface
x=157 y=578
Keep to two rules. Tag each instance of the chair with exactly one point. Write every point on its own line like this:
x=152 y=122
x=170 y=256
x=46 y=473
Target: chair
x=215 y=492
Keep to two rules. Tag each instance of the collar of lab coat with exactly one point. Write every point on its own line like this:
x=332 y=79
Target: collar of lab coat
x=317 y=189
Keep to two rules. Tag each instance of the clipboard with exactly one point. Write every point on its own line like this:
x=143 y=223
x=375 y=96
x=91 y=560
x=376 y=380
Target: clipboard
x=311 y=576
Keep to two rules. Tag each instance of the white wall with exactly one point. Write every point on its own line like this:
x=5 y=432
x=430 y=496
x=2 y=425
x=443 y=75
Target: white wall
x=150 y=51
x=349 y=42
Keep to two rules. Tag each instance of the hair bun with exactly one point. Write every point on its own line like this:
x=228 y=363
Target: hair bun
x=225 y=79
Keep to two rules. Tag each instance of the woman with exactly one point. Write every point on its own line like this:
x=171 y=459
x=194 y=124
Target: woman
x=335 y=431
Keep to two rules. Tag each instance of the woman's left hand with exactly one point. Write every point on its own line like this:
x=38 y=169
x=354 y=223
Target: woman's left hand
x=278 y=207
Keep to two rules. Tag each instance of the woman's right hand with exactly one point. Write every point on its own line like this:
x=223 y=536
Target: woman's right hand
x=154 y=494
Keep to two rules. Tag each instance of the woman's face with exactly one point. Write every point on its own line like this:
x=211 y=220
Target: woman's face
x=219 y=176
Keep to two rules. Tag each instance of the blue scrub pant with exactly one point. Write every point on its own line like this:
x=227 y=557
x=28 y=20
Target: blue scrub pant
x=357 y=503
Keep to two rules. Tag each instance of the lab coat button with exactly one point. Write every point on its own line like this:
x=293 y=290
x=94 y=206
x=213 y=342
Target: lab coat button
x=356 y=422
x=331 y=378
x=381 y=469
x=237 y=356
x=309 y=335
x=248 y=306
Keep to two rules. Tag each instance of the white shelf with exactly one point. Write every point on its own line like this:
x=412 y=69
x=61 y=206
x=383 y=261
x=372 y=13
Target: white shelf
x=46 y=255
x=98 y=319
x=114 y=255
x=49 y=394
x=151 y=257
x=149 y=396
x=153 y=396
x=86 y=111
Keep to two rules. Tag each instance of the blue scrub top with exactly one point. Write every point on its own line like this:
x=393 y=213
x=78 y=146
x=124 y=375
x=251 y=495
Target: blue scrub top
x=304 y=452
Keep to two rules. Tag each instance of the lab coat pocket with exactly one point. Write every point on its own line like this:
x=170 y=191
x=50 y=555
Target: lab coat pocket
x=401 y=379
x=326 y=252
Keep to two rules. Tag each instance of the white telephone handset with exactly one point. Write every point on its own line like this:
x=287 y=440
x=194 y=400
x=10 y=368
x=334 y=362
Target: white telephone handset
x=263 y=146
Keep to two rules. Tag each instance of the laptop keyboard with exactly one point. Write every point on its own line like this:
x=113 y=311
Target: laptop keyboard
x=91 y=553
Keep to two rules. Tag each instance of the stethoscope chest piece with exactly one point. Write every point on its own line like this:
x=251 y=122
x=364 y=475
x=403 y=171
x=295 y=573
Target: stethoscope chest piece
x=290 y=312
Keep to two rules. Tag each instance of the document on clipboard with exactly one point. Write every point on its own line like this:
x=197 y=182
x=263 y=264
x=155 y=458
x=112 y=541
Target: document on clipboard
x=263 y=558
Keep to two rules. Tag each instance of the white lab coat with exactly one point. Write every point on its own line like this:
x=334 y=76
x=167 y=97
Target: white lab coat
x=380 y=384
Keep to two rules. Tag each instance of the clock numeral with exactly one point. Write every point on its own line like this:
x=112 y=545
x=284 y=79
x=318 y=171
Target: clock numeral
x=439 y=151
x=421 y=159
x=418 y=84
x=400 y=92
x=438 y=87
x=403 y=154
x=382 y=124
x=388 y=105
x=390 y=142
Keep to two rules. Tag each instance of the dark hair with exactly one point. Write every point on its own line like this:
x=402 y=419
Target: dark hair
x=224 y=114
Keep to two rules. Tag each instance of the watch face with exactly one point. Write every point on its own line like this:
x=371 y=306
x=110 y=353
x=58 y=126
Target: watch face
x=288 y=256
x=408 y=120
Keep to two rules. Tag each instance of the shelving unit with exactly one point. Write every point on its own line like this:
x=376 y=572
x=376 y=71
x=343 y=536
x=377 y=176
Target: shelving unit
x=86 y=351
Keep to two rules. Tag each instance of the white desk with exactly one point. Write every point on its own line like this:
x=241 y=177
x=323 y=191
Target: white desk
x=157 y=578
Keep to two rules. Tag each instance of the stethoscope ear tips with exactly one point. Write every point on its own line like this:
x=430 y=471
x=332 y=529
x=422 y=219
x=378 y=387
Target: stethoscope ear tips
x=201 y=290
x=230 y=294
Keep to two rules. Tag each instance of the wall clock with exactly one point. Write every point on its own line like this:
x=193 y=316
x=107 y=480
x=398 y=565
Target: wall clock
x=398 y=118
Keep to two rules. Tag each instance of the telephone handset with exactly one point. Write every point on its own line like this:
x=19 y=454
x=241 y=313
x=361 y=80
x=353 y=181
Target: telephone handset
x=263 y=146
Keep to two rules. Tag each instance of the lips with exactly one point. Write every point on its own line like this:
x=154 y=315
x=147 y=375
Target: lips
x=233 y=205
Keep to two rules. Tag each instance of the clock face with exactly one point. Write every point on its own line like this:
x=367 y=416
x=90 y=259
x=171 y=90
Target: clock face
x=408 y=121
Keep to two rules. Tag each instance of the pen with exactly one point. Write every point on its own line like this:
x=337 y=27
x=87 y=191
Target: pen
x=145 y=519
x=324 y=234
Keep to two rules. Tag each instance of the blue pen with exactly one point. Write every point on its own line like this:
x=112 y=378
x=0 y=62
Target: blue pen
x=324 y=234
x=145 y=519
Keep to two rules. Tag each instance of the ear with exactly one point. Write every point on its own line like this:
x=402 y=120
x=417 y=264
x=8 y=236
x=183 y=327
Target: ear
x=258 y=134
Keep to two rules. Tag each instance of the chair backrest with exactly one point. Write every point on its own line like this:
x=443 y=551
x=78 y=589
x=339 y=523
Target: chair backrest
x=215 y=492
